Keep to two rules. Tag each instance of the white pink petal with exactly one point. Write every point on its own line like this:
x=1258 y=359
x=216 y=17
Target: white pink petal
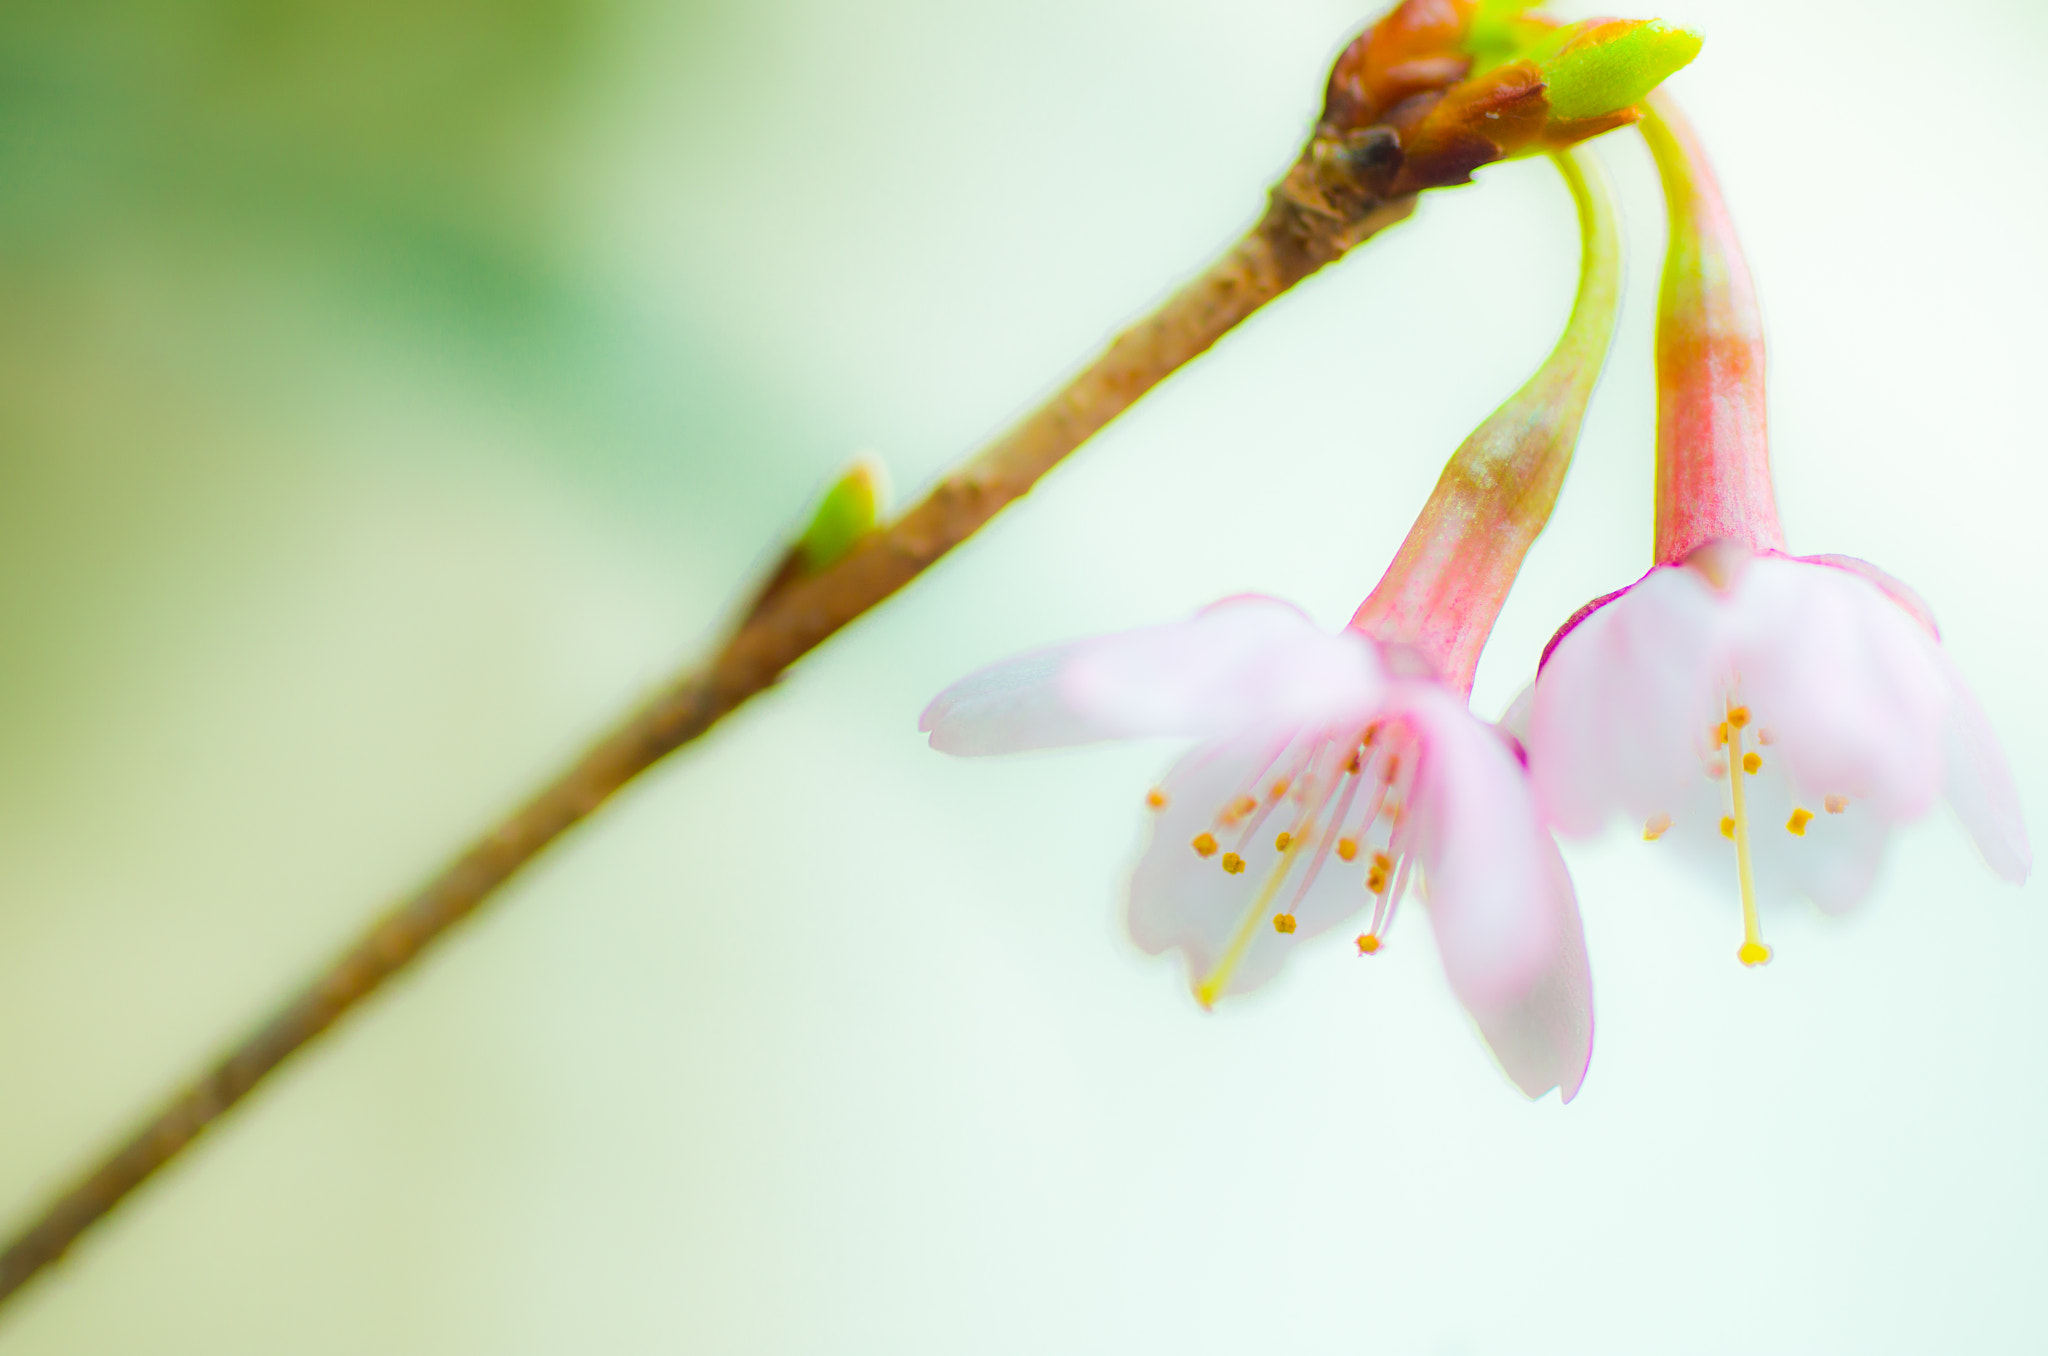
x=1856 y=718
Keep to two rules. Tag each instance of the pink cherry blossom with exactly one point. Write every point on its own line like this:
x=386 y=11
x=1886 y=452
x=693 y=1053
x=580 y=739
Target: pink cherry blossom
x=1331 y=772
x=1336 y=771
x=1770 y=717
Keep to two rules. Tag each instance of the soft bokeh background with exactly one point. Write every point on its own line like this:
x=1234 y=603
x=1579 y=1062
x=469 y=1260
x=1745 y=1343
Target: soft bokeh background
x=391 y=391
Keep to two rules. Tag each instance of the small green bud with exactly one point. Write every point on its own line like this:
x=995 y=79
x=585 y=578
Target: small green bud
x=1603 y=66
x=850 y=510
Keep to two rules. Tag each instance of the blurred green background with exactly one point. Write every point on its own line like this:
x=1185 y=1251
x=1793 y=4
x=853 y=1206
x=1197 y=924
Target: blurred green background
x=390 y=392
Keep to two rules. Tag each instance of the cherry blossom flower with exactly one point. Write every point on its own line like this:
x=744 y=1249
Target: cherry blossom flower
x=1760 y=713
x=1335 y=771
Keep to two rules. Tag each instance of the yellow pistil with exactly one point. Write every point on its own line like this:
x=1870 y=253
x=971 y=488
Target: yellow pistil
x=1212 y=985
x=1753 y=951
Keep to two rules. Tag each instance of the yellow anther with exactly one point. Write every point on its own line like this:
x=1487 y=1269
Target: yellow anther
x=1837 y=804
x=1283 y=840
x=1381 y=874
x=1656 y=827
x=1796 y=825
x=1738 y=716
x=1347 y=849
x=1238 y=809
x=1205 y=844
x=1752 y=763
x=1367 y=944
x=1351 y=763
x=1232 y=863
x=1392 y=771
x=1727 y=827
x=1764 y=735
x=1156 y=798
x=1382 y=862
x=1283 y=922
x=1279 y=788
x=1721 y=734
x=1753 y=954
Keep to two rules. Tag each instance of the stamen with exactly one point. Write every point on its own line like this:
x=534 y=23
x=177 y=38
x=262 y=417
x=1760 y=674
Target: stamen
x=1752 y=763
x=1243 y=803
x=1367 y=943
x=1156 y=798
x=1233 y=863
x=1283 y=922
x=1727 y=827
x=1213 y=983
x=1381 y=874
x=1796 y=825
x=1384 y=920
x=1393 y=854
x=1836 y=804
x=1721 y=735
x=1656 y=827
x=1205 y=845
x=1296 y=768
x=1283 y=840
x=1753 y=952
x=1329 y=835
x=1347 y=849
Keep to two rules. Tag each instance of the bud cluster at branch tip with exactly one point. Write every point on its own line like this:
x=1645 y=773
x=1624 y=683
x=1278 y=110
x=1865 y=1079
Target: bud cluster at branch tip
x=1439 y=88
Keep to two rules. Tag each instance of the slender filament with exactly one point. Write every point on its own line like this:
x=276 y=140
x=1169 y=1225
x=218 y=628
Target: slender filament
x=1753 y=950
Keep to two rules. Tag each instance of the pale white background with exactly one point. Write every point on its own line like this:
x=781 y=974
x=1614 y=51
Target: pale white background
x=821 y=1043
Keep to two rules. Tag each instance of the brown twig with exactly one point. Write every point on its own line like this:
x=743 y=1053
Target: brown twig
x=1320 y=210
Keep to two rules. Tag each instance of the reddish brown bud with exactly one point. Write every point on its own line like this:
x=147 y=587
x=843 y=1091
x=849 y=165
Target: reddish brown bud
x=1475 y=124
x=1416 y=49
x=1438 y=88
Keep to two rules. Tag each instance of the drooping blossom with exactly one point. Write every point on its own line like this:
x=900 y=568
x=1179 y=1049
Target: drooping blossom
x=1771 y=717
x=1336 y=771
